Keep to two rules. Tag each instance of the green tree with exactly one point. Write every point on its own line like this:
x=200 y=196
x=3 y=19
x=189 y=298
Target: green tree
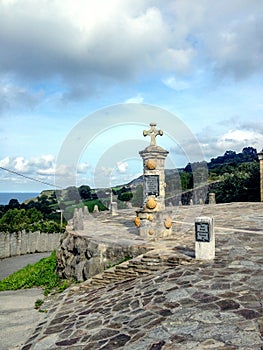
x=239 y=185
x=14 y=220
x=125 y=196
x=85 y=192
x=13 y=203
x=34 y=215
x=186 y=180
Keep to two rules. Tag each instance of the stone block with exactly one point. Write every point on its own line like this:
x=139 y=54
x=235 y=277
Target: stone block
x=204 y=238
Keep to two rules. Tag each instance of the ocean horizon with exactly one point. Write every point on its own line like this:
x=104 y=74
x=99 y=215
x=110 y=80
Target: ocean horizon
x=20 y=196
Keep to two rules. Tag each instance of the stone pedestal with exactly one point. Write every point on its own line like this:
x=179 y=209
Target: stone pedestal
x=212 y=198
x=113 y=208
x=153 y=220
x=204 y=238
x=154 y=225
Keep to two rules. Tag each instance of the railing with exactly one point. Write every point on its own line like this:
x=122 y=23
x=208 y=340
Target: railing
x=21 y=243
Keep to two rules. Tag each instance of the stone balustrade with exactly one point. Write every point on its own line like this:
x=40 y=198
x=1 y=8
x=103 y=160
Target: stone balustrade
x=21 y=243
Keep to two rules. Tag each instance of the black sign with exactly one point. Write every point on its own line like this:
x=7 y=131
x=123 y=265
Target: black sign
x=202 y=233
x=152 y=184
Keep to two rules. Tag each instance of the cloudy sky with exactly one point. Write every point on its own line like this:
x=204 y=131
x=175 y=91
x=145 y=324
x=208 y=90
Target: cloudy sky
x=65 y=63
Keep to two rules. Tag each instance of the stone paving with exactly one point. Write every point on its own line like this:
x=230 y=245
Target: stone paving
x=195 y=305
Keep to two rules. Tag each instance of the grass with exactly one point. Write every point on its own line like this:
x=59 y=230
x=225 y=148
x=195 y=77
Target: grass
x=42 y=274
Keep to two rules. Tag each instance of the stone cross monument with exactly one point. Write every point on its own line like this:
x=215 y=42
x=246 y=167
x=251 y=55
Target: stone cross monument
x=153 y=220
x=153 y=132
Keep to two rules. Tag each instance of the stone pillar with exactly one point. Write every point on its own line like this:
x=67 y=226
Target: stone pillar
x=95 y=209
x=212 y=198
x=153 y=220
x=260 y=157
x=113 y=208
x=204 y=238
x=78 y=223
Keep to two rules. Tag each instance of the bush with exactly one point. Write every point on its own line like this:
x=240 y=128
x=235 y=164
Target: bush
x=42 y=274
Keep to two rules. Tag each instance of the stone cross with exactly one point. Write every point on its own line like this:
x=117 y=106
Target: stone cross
x=153 y=132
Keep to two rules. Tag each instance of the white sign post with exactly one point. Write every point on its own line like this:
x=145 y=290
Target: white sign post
x=204 y=238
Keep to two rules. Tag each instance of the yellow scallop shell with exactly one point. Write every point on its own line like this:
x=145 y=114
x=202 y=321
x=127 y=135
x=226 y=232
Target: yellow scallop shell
x=151 y=164
x=137 y=221
x=150 y=217
x=151 y=231
x=151 y=203
x=168 y=223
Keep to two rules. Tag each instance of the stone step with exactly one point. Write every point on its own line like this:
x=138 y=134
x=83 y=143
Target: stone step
x=145 y=264
x=96 y=282
x=141 y=265
x=142 y=271
x=133 y=263
x=125 y=269
x=151 y=257
x=126 y=273
x=111 y=276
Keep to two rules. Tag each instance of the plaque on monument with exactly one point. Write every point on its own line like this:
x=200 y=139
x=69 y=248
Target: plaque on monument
x=202 y=233
x=152 y=184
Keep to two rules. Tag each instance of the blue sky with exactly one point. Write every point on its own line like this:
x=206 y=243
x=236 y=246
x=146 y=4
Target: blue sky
x=80 y=67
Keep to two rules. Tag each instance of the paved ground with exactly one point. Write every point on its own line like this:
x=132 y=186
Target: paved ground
x=18 y=317
x=198 y=305
x=15 y=263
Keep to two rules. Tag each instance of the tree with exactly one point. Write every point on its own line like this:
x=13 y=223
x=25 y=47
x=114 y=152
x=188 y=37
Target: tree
x=34 y=215
x=239 y=185
x=14 y=220
x=186 y=180
x=125 y=196
x=85 y=192
x=13 y=203
x=230 y=154
x=249 y=150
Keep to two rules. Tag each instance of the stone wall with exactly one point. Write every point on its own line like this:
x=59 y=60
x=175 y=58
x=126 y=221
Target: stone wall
x=20 y=243
x=80 y=257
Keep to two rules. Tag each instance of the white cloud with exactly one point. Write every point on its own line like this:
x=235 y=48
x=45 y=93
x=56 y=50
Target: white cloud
x=136 y=99
x=21 y=164
x=90 y=45
x=5 y=162
x=82 y=42
x=17 y=96
x=21 y=170
x=234 y=140
x=176 y=84
x=122 y=167
x=47 y=171
x=83 y=167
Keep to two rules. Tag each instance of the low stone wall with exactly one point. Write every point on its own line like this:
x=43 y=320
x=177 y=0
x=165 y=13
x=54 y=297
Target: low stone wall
x=21 y=243
x=80 y=257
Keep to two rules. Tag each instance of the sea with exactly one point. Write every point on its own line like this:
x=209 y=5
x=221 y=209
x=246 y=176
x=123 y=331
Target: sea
x=20 y=196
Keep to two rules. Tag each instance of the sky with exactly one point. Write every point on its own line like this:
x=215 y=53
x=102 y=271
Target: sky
x=81 y=79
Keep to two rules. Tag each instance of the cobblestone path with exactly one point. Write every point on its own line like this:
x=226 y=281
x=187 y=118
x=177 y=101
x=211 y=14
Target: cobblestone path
x=197 y=305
